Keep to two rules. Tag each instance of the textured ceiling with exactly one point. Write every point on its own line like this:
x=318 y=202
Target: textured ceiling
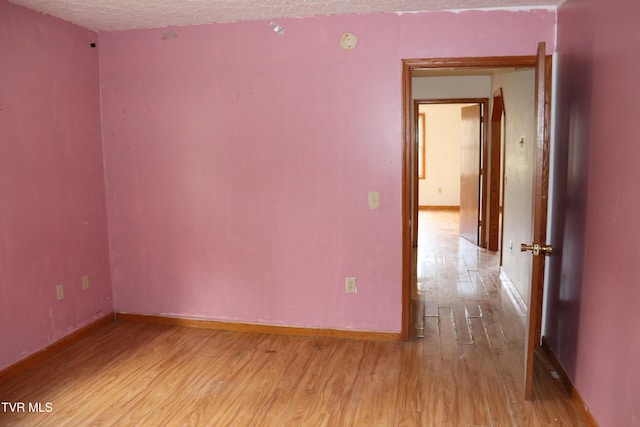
x=113 y=15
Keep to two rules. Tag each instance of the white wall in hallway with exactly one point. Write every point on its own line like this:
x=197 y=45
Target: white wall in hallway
x=518 y=88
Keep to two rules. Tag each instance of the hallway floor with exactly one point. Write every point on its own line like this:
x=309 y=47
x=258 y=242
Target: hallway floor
x=459 y=282
x=470 y=314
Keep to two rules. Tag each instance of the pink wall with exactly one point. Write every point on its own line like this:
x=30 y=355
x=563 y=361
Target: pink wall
x=595 y=294
x=52 y=201
x=238 y=162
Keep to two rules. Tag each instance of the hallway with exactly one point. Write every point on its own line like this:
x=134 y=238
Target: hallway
x=470 y=314
x=459 y=282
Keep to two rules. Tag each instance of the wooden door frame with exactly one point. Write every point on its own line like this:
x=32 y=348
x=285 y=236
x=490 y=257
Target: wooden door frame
x=494 y=241
x=409 y=147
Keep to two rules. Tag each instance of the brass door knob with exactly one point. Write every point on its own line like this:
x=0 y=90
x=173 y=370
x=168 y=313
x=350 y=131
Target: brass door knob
x=536 y=248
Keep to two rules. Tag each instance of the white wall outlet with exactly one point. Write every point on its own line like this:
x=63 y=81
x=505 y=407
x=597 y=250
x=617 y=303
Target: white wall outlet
x=350 y=285
x=374 y=199
x=59 y=292
x=85 y=282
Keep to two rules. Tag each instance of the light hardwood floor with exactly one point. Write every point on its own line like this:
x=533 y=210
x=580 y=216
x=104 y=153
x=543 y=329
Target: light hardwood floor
x=466 y=371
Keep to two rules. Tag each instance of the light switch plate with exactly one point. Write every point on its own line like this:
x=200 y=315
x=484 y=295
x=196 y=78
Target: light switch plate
x=374 y=199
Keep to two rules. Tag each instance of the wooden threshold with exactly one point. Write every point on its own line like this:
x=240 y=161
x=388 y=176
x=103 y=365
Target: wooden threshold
x=258 y=328
x=575 y=395
x=439 y=208
x=22 y=365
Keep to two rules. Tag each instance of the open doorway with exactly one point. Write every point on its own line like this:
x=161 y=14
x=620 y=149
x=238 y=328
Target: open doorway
x=451 y=136
x=460 y=86
x=520 y=152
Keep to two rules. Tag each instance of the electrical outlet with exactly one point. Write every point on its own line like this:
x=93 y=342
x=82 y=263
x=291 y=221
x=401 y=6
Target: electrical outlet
x=59 y=292
x=85 y=282
x=350 y=285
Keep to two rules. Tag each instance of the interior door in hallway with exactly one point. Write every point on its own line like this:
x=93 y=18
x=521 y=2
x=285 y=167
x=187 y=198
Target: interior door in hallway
x=538 y=246
x=470 y=173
